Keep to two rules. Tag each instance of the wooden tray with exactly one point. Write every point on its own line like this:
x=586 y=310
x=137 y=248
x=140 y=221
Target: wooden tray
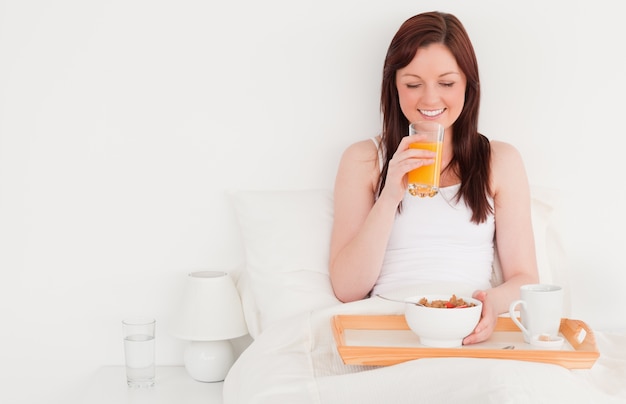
x=387 y=340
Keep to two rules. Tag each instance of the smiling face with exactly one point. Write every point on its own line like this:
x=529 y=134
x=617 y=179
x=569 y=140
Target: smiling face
x=432 y=86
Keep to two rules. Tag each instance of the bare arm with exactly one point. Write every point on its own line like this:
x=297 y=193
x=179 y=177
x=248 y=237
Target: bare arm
x=514 y=236
x=362 y=223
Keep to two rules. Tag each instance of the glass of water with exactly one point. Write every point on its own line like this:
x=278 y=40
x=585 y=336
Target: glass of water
x=139 y=351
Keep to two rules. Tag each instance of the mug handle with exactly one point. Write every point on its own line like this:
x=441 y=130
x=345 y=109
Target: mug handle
x=514 y=317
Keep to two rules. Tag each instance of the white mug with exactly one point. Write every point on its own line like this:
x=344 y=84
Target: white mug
x=541 y=310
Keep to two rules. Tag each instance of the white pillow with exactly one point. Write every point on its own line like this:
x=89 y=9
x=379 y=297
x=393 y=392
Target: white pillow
x=286 y=237
x=546 y=205
x=547 y=236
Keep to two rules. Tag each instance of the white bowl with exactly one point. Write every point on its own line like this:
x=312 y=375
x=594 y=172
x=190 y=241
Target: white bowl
x=441 y=327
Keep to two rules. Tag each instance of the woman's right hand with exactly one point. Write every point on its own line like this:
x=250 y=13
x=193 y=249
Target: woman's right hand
x=404 y=160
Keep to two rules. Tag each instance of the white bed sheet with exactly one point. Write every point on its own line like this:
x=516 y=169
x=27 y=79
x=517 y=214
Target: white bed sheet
x=296 y=362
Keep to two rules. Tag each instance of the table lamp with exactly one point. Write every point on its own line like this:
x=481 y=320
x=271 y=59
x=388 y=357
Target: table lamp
x=209 y=316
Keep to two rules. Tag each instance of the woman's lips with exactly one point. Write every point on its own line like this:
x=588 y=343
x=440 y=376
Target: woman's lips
x=431 y=113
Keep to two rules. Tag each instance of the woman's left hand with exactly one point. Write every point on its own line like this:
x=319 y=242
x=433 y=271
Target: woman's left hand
x=487 y=322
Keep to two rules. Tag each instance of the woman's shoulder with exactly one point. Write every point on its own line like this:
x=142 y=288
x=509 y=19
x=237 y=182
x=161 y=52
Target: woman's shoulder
x=364 y=150
x=360 y=162
x=507 y=166
x=503 y=153
x=501 y=145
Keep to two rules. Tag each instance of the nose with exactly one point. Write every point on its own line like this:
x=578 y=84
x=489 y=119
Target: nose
x=430 y=96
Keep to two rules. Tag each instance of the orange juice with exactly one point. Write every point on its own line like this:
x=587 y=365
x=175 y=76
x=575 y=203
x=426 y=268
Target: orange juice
x=424 y=181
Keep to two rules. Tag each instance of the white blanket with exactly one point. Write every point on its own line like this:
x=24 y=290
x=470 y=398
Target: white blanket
x=296 y=362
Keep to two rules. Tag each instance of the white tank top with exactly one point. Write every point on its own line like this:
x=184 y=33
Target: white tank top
x=434 y=240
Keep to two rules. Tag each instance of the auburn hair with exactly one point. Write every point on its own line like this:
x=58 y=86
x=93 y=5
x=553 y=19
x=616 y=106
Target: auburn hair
x=471 y=152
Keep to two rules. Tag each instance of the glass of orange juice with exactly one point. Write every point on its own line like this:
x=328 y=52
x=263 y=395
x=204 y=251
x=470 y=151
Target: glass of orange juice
x=424 y=181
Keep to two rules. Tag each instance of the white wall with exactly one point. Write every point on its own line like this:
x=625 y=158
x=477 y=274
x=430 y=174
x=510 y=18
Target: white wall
x=122 y=123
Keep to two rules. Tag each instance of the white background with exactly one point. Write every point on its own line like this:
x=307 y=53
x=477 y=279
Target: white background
x=123 y=123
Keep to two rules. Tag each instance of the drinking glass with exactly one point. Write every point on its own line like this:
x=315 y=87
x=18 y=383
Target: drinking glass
x=139 y=351
x=424 y=181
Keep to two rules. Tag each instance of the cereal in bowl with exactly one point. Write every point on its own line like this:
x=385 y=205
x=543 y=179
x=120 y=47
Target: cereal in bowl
x=452 y=303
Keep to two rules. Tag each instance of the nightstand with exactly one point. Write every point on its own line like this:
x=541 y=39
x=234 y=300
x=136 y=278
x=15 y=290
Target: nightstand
x=172 y=386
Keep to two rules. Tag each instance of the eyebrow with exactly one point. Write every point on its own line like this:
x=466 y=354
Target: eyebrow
x=441 y=75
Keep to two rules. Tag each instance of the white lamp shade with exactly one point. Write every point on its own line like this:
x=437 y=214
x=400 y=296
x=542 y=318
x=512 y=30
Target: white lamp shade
x=210 y=309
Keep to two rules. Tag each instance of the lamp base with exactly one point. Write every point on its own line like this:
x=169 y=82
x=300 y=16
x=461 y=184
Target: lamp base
x=209 y=361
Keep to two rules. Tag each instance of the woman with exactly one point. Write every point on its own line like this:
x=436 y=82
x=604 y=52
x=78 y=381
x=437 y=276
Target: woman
x=382 y=236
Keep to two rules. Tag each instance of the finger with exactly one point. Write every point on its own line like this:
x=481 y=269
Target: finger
x=404 y=166
x=413 y=155
x=480 y=295
x=483 y=329
x=479 y=335
x=407 y=140
x=414 y=138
